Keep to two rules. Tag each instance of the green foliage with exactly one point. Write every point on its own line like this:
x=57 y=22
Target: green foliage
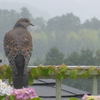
x=11 y=97
x=73 y=73
x=35 y=99
x=85 y=74
x=63 y=68
x=30 y=79
x=5 y=72
x=34 y=72
x=60 y=72
x=91 y=69
x=73 y=98
x=45 y=71
x=2 y=97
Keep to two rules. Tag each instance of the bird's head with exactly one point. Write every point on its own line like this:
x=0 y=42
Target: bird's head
x=23 y=22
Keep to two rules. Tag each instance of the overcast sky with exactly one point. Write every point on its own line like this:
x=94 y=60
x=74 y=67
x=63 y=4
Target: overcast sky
x=85 y=9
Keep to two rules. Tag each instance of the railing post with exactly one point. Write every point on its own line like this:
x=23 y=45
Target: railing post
x=94 y=85
x=58 y=89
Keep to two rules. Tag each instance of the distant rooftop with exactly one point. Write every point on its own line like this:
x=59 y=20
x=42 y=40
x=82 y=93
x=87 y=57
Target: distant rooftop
x=45 y=89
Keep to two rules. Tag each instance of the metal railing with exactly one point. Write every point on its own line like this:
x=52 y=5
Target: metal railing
x=94 y=78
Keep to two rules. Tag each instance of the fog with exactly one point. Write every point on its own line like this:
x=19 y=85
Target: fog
x=60 y=23
x=85 y=9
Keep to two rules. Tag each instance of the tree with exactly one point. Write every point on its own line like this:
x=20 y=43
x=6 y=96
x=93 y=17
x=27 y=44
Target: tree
x=54 y=57
x=93 y=24
x=25 y=13
x=65 y=23
x=8 y=19
x=72 y=59
x=40 y=24
x=97 y=57
x=86 y=24
x=86 y=57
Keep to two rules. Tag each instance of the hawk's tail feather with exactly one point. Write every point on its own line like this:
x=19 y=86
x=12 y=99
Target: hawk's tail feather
x=20 y=81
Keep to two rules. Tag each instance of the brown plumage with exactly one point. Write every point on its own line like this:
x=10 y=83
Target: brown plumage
x=18 y=50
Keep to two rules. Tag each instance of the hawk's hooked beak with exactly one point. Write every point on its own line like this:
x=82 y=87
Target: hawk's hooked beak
x=31 y=24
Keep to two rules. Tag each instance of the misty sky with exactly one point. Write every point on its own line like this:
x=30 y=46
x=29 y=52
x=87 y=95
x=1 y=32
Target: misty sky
x=85 y=9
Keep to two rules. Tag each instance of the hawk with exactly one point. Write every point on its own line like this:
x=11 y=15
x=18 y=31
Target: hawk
x=18 y=50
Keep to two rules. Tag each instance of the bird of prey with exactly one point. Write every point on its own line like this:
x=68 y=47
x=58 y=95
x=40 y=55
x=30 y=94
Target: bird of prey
x=18 y=50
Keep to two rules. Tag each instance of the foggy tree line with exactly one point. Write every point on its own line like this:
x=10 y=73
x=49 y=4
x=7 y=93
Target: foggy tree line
x=64 y=23
x=66 y=32
x=84 y=57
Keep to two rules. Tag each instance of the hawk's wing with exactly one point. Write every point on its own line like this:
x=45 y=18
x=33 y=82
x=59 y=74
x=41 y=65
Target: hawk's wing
x=16 y=42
